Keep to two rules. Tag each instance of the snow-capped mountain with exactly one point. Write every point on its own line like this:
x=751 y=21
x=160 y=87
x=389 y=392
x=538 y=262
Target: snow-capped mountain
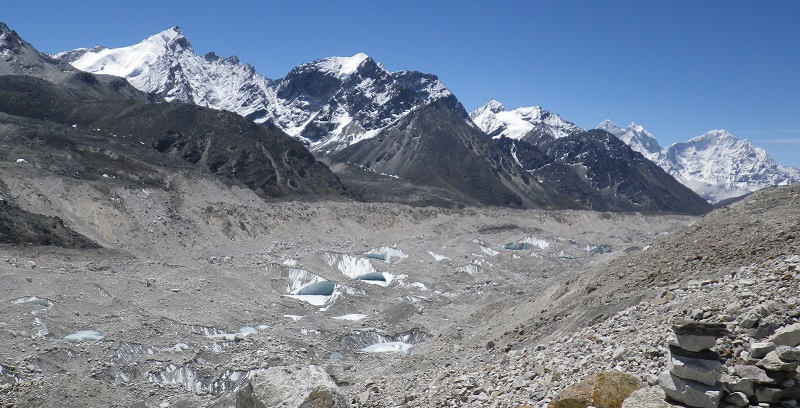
x=527 y=123
x=328 y=103
x=636 y=137
x=716 y=165
x=165 y=64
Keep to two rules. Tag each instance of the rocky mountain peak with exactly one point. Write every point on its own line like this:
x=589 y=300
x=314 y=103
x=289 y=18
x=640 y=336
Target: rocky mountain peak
x=611 y=127
x=492 y=106
x=530 y=123
x=341 y=67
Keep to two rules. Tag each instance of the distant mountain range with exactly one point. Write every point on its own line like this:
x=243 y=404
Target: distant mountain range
x=403 y=124
x=716 y=165
x=328 y=103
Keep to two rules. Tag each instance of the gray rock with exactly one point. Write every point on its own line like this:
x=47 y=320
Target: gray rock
x=749 y=320
x=769 y=395
x=772 y=362
x=753 y=373
x=292 y=386
x=691 y=393
x=682 y=326
x=704 y=354
x=693 y=342
x=649 y=397
x=622 y=354
x=760 y=350
x=705 y=371
x=736 y=384
x=787 y=336
x=738 y=399
x=788 y=354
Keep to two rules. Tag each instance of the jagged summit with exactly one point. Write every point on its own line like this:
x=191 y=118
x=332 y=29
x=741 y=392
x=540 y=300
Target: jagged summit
x=527 y=123
x=21 y=58
x=636 y=137
x=129 y=61
x=341 y=67
x=610 y=127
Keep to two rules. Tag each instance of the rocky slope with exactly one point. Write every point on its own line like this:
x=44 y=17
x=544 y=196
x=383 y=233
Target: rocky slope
x=18 y=57
x=716 y=165
x=432 y=146
x=738 y=265
x=596 y=170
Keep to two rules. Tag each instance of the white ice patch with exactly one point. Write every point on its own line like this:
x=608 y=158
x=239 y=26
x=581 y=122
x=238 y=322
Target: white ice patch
x=290 y=262
x=33 y=301
x=386 y=254
x=21 y=161
x=293 y=317
x=314 y=300
x=438 y=257
x=469 y=269
x=357 y=268
x=391 y=347
x=342 y=67
x=41 y=328
x=352 y=317
x=488 y=251
x=185 y=376
x=538 y=242
x=84 y=335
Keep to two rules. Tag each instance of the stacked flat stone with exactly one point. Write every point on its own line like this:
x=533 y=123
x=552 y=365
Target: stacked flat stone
x=769 y=374
x=694 y=369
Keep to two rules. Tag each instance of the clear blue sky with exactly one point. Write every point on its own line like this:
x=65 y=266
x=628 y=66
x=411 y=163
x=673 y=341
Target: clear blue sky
x=678 y=68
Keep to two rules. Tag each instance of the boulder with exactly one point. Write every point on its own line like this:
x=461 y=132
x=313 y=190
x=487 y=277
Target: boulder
x=754 y=374
x=738 y=399
x=788 y=354
x=291 y=386
x=787 y=336
x=760 y=350
x=773 y=362
x=736 y=384
x=607 y=389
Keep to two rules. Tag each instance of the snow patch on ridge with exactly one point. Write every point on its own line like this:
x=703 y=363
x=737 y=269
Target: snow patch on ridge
x=342 y=67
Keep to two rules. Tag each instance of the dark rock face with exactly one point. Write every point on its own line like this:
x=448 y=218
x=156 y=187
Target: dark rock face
x=262 y=158
x=435 y=147
x=598 y=170
x=20 y=58
x=19 y=227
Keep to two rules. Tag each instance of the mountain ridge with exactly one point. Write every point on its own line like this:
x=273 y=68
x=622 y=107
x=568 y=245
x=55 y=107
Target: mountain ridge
x=328 y=103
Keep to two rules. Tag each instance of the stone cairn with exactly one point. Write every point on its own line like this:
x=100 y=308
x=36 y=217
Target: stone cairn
x=694 y=370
